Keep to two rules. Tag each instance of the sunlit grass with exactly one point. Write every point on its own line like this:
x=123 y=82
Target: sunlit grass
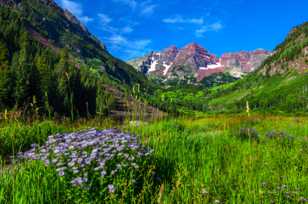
x=195 y=161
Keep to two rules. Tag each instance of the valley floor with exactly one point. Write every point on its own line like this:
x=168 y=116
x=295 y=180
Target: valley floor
x=212 y=159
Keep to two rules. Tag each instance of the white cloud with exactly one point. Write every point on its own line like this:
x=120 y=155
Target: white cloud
x=117 y=40
x=216 y=26
x=140 y=44
x=131 y=3
x=106 y=25
x=147 y=8
x=144 y=8
x=181 y=20
x=132 y=48
x=76 y=9
x=105 y=19
x=85 y=19
x=127 y=29
x=207 y=28
x=72 y=6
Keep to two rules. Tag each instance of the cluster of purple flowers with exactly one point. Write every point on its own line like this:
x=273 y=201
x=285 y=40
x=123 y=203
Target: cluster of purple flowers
x=105 y=152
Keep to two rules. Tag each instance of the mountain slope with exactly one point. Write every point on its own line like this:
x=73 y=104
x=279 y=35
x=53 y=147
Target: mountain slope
x=280 y=84
x=290 y=55
x=56 y=28
x=51 y=64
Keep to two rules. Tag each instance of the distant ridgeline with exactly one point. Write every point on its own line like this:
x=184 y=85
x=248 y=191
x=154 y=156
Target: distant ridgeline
x=50 y=63
x=279 y=85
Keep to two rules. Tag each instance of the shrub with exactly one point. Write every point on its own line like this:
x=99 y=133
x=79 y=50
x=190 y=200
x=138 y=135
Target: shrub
x=278 y=135
x=248 y=134
x=283 y=137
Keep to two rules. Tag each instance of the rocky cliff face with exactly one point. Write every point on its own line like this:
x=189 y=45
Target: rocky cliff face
x=291 y=55
x=194 y=61
x=244 y=62
x=190 y=60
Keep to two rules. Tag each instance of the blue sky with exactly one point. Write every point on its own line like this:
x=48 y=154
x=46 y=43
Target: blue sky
x=131 y=28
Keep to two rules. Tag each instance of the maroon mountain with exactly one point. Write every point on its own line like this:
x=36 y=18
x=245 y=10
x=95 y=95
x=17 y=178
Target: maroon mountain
x=194 y=61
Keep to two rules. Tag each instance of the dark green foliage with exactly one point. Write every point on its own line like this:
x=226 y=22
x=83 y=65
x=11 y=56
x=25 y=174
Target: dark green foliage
x=179 y=99
x=50 y=64
x=248 y=134
x=5 y=76
x=279 y=135
x=218 y=79
x=4 y=55
x=27 y=76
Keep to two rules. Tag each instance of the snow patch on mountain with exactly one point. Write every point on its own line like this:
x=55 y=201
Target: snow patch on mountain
x=194 y=60
x=153 y=66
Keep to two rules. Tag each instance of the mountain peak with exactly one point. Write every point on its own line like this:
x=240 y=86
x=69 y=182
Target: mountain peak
x=172 y=47
x=194 y=47
x=194 y=60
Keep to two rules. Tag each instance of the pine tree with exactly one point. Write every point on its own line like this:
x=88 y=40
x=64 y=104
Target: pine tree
x=5 y=79
x=4 y=56
x=65 y=85
x=27 y=76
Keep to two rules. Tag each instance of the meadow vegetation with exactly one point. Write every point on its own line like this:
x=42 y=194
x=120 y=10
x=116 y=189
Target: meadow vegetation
x=56 y=79
x=211 y=159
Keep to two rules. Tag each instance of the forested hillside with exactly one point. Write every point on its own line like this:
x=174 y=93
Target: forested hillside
x=279 y=85
x=51 y=64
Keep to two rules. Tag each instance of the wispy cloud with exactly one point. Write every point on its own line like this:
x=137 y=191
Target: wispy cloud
x=147 y=8
x=76 y=9
x=144 y=8
x=132 y=48
x=104 y=19
x=85 y=19
x=131 y=3
x=72 y=6
x=117 y=41
x=106 y=25
x=127 y=29
x=217 y=26
x=178 y=19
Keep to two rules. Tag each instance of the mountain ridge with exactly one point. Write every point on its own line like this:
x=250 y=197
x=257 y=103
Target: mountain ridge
x=195 y=62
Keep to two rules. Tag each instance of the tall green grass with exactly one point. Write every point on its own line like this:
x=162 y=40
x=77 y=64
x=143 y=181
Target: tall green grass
x=211 y=163
x=31 y=182
x=195 y=161
x=16 y=136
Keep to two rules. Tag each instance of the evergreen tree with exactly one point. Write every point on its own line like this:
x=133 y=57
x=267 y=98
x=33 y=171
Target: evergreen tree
x=65 y=85
x=27 y=76
x=4 y=56
x=5 y=77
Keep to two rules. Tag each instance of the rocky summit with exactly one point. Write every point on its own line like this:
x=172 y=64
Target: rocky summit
x=194 y=61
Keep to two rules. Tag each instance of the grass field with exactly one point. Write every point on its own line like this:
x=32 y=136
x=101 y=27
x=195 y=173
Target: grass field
x=212 y=159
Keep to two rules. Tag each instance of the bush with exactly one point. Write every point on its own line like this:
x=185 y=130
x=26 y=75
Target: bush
x=278 y=135
x=284 y=138
x=248 y=134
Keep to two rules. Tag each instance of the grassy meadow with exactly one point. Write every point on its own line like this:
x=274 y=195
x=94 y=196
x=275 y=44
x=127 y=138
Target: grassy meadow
x=210 y=159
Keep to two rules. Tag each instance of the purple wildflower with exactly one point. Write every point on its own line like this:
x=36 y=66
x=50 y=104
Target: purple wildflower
x=92 y=150
x=111 y=188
